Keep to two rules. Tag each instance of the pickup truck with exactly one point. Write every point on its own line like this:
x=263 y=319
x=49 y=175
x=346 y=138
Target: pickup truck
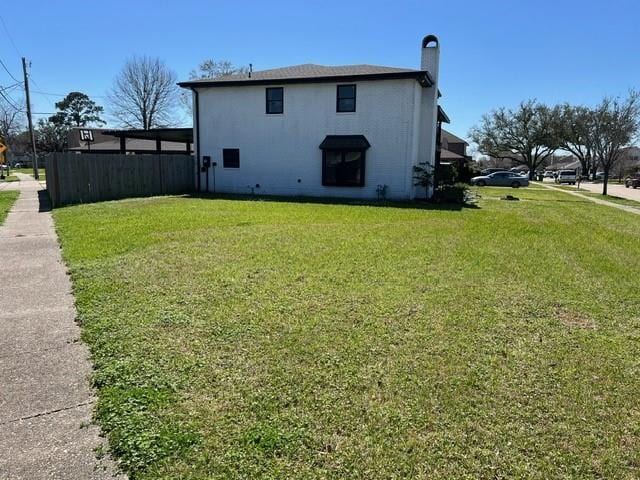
x=566 y=176
x=632 y=181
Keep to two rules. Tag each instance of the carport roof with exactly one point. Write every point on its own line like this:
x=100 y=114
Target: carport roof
x=182 y=135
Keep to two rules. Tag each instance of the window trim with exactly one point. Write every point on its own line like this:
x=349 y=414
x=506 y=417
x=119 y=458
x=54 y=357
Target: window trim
x=266 y=100
x=224 y=164
x=355 y=96
x=363 y=157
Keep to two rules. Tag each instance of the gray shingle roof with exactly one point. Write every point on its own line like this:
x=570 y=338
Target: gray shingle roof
x=451 y=138
x=308 y=72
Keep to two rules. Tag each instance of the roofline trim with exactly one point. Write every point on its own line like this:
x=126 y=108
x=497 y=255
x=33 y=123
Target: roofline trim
x=422 y=76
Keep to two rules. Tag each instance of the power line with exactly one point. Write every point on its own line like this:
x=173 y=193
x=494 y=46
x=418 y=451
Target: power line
x=15 y=47
x=9 y=100
x=7 y=70
x=64 y=94
x=10 y=87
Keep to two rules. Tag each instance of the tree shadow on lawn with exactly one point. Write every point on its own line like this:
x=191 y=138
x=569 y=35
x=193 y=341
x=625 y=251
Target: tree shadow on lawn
x=417 y=205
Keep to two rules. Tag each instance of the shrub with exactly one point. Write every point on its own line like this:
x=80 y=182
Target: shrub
x=457 y=193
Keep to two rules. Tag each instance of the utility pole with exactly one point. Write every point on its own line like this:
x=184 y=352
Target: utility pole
x=30 y=121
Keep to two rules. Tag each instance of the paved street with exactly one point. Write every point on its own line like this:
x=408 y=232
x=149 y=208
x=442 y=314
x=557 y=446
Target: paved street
x=46 y=401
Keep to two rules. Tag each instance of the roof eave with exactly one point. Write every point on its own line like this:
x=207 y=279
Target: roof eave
x=421 y=76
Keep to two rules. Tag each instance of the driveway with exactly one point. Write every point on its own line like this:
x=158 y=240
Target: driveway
x=46 y=401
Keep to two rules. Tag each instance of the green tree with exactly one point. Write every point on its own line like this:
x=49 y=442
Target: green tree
x=77 y=110
x=575 y=131
x=51 y=136
x=526 y=135
x=616 y=125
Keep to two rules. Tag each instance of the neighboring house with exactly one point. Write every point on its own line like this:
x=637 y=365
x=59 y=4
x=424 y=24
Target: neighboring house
x=453 y=146
x=312 y=130
x=157 y=140
x=454 y=151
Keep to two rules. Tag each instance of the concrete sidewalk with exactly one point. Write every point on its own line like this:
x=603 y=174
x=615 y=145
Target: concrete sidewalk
x=46 y=401
x=599 y=201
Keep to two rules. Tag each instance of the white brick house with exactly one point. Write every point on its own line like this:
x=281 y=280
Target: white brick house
x=312 y=130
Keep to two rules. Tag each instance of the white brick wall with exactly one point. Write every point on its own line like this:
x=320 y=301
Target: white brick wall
x=280 y=152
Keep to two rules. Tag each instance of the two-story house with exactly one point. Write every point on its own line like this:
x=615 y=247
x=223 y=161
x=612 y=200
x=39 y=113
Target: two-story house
x=311 y=130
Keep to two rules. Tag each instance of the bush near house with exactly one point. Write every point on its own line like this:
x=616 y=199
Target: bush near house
x=274 y=339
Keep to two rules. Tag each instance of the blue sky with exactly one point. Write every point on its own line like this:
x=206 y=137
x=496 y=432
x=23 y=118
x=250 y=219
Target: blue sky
x=493 y=52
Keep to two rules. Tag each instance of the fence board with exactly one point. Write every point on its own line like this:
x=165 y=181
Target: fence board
x=73 y=178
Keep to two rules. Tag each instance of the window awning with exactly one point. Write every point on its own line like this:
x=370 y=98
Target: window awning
x=442 y=116
x=345 y=142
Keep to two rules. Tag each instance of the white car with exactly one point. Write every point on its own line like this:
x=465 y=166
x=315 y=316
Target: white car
x=566 y=176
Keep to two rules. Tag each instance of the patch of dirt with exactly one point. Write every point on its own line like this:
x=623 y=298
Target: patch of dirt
x=575 y=320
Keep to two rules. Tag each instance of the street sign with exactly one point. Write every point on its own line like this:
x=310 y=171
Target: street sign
x=86 y=135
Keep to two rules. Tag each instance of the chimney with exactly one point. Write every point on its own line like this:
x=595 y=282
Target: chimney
x=430 y=58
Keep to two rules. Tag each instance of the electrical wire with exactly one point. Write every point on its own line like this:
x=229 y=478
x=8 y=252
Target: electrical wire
x=8 y=71
x=15 y=47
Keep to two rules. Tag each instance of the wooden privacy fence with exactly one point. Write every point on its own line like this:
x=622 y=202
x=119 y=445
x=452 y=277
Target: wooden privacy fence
x=84 y=178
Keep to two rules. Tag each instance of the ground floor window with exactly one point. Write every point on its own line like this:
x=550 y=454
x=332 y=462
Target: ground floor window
x=231 y=158
x=343 y=168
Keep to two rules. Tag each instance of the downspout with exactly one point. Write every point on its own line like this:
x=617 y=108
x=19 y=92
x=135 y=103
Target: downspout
x=436 y=165
x=197 y=129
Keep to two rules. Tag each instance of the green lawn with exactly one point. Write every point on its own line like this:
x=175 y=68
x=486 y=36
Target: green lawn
x=29 y=171
x=609 y=198
x=271 y=339
x=7 y=198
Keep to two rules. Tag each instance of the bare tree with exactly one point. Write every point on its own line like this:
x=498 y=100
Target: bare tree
x=616 y=124
x=144 y=94
x=214 y=69
x=526 y=136
x=11 y=121
x=209 y=69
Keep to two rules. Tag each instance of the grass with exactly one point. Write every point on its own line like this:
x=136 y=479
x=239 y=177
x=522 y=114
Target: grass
x=272 y=339
x=7 y=199
x=29 y=171
x=609 y=198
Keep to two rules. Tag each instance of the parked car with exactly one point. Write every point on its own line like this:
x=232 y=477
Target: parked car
x=566 y=176
x=489 y=171
x=632 y=181
x=549 y=174
x=501 y=179
x=600 y=176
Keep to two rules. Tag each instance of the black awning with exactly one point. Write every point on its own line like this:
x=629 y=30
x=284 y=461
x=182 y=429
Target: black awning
x=442 y=116
x=345 y=142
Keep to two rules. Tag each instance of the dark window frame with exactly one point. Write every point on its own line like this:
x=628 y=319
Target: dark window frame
x=269 y=103
x=338 y=97
x=231 y=162
x=343 y=152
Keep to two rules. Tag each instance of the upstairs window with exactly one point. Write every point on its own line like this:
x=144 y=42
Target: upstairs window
x=346 y=98
x=275 y=100
x=231 y=158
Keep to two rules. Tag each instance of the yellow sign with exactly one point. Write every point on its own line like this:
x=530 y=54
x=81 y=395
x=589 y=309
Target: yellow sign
x=3 y=148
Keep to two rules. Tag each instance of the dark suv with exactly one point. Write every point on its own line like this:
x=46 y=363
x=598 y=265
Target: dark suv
x=632 y=181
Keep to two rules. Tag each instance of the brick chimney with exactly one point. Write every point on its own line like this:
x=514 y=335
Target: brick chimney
x=430 y=60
